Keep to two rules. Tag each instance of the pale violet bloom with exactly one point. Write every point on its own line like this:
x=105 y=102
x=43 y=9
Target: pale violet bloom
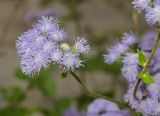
x=130 y=72
x=130 y=67
x=148 y=41
x=71 y=61
x=49 y=27
x=129 y=39
x=101 y=107
x=42 y=45
x=153 y=15
x=82 y=45
x=119 y=49
x=114 y=52
x=141 y=4
x=56 y=55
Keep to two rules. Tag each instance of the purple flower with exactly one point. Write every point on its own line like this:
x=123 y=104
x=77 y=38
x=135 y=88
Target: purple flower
x=49 y=27
x=129 y=39
x=149 y=107
x=114 y=52
x=130 y=98
x=101 y=107
x=148 y=41
x=141 y=4
x=153 y=15
x=71 y=61
x=56 y=55
x=152 y=10
x=33 y=64
x=130 y=67
x=43 y=45
x=82 y=45
x=148 y=102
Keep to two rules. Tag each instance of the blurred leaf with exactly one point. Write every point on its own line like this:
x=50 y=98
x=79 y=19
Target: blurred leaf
x=72 y=1
x=97 y=63
x=43 y=81
x=60 y=107
x=46 y=84
x=101 y=37
x=46 y=2
x=20 y=75
x=146 y=77
x=13 y=111
x=14 y=95
x=142 y=58
x=64 y=75
x=84 y=101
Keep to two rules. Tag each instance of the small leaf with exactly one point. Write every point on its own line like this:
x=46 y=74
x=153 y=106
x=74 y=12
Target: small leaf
x=64 y=75
x=141 y=58
x=146 y=77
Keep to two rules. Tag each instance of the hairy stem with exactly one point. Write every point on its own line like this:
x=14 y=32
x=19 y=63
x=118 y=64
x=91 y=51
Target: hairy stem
x=148 y=63
x=95 y=95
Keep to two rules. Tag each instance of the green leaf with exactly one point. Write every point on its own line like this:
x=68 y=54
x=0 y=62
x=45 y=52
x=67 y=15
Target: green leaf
x=14 y=95
x=151 y=3
x=42 y=81
x=45 y=84
x=20 y=75
x=64 y=75
x=146 y=77
x=15 y=111
x=142 y=58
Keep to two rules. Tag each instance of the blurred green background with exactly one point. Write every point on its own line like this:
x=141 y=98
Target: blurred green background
x=101 y=22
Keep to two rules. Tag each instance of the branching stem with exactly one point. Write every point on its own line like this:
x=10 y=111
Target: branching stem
x=148 y=63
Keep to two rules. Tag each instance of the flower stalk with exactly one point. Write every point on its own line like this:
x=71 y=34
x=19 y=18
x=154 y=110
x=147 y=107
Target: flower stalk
x=96 y=95
x=148 y=63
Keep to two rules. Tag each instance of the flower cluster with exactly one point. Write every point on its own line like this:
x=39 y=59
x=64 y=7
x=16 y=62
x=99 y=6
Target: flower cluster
x=101 y=107
x=148 y=101
x=44 y=44
x=152 y=9
x=116 y=51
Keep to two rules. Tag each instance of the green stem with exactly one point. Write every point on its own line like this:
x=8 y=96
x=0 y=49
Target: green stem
x=148 y=63
x=95 y=95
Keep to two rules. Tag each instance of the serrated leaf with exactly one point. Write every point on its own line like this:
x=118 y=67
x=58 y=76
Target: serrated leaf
x=146 y=77
x=141 y=58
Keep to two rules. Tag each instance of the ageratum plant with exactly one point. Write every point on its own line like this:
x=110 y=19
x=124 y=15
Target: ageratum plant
x=45 y=44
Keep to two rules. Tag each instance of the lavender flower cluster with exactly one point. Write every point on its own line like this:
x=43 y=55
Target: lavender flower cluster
x=152 y=10
x=101 y=107
x=45 y=44
x=148 y=101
